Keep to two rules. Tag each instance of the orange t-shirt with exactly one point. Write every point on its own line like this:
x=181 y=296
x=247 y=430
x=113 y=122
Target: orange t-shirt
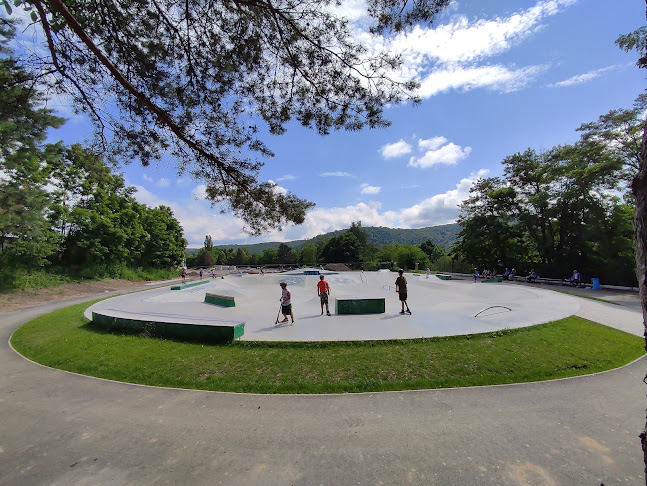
x=322 y=285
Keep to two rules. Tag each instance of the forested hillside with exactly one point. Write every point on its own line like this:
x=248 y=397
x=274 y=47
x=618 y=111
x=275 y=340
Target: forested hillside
x=442 y=235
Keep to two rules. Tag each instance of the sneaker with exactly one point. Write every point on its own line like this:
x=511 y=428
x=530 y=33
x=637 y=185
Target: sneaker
x=284 y=320
x=401 y=312
x=292 y=324
x=322 y=313
x=408 y=312
x=328 y=313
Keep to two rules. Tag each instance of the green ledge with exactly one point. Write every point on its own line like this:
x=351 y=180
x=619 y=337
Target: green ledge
x=194 y=332
x=189 y=285
x=221 y=300
x=360 y=305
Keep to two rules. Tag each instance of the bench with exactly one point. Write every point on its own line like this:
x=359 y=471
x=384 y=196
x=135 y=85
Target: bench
x=550 y=281
x=360 y=305
x=221 y=300
x=189 y=285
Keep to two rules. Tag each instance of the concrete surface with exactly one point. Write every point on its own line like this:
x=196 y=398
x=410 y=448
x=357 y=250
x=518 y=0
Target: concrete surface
x=59 y=428
x=439 y=307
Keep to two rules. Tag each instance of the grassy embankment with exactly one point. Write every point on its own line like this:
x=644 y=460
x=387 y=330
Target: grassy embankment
x=569 y=347
x=23 y=279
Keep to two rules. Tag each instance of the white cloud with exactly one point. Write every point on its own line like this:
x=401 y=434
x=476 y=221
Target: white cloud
x=463 y=41
x=498 y=78
x=581 y=78
x=334 y=174
x=366 y=189
x=198 y=219
x=440 y=208
x=450 y=56
x=439 y=150
x=287 y=177
x=161 y=182
x=396 y=149
x=278 y=189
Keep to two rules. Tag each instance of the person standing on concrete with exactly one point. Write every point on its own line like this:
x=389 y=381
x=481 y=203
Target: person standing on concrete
x=183 y=275
x=286 y=303
x=323 y=290
x=401 y=289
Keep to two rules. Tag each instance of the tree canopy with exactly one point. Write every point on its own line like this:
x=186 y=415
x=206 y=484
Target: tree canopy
x=197 y=80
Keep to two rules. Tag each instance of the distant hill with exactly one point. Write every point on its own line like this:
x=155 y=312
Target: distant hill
x=443 y=235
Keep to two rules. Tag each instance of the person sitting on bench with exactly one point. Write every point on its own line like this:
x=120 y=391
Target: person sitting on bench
x=575 y=280
x=532 y=277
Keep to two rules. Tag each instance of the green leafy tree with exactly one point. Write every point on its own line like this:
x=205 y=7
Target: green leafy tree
x=195 y=78
x=106 y=227
x=164 y=241
x=23 y=154
x=432 y=250
x=344 y=248
x=208 y=243
x=410 y=255
x=489 y=236
x=269 y=256
x=284 y=254
x=308 y=254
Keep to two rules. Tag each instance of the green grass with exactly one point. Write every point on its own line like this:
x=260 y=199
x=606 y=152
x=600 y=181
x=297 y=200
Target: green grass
x=26 y=279
x=569 y=347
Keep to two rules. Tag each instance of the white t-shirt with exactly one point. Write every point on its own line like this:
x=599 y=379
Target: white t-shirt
x=286 y=296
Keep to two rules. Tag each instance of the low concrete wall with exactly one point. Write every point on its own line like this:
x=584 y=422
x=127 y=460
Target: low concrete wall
x=360 y=305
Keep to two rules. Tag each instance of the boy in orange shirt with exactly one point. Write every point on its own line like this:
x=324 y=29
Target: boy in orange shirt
x=323 y=289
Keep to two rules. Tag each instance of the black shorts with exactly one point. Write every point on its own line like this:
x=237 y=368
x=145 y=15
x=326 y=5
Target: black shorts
x=403 y=296
x=286 y=310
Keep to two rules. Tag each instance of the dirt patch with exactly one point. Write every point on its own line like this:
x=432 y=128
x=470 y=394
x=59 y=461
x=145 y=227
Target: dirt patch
x=17 y=299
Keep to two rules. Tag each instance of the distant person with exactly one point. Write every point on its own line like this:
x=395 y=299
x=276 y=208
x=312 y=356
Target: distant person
x=506 y=274
x=532 y=276
x=200 y=274
x=476 y=274
x=213 y=273
x=286 y=303
x=401 y=289
x=183 y=275
x=323 y=290
x=575 y=279
x=428 y=272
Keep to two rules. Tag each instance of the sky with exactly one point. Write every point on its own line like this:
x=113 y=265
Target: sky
x=496 y=77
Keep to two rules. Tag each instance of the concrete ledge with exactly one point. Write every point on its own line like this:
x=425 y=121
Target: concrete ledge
x=221 y=300
x=189 y=285
x=221 y=332
x=360 y=305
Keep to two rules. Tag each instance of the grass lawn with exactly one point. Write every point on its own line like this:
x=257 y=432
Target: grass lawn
x=573 y=346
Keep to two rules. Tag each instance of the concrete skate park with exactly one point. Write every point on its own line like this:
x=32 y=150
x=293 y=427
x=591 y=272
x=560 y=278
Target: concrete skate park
x=64 y=428
x=439 y=307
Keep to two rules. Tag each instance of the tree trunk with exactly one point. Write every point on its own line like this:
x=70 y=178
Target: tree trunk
x=639 y=188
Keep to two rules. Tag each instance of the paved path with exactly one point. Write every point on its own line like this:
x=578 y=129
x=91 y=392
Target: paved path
x=63 y=429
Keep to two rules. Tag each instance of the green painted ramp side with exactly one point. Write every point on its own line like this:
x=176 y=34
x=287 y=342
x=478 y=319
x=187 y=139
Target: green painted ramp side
x=193 y=332
x=221 y=300
x=360 y=306
x=492 y=280
x=189 y=285
x=444 y=277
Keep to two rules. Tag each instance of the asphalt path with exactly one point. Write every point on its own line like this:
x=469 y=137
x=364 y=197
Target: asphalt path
x=58 y=428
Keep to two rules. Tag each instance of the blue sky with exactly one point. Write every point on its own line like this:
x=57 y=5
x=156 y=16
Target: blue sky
x=496 y=78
